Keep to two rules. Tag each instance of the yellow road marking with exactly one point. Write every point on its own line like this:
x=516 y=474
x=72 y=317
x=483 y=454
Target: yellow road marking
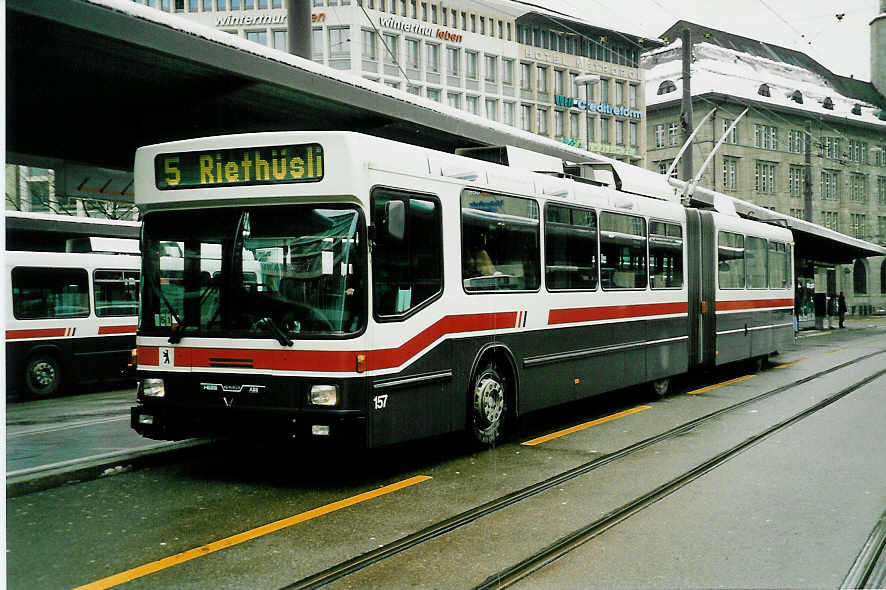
x=838 y=349
x=792 y=363
x=710 y=387
x=166 y=562
x=553 y=435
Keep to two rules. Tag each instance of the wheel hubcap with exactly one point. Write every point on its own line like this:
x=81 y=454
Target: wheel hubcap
x=44 y=374
x=489 y=399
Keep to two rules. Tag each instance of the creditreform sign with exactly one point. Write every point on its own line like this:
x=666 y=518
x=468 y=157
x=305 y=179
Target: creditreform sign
x=603 y=108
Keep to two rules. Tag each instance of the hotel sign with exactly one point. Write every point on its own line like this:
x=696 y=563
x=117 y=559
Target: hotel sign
x=580 y=63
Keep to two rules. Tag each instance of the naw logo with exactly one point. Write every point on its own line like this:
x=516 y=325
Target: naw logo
x=603 y=108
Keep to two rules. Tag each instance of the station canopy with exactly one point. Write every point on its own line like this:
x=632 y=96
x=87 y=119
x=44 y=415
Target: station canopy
x=90 y=81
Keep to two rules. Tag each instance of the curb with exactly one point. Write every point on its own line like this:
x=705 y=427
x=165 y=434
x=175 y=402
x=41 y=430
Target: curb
x=35 y=479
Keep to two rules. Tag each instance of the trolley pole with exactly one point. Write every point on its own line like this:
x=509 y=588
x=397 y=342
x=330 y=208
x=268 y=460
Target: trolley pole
x=298 y=14
x=686 y=114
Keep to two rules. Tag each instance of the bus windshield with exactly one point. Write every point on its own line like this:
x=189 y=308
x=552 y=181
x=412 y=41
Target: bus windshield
x=282 y=272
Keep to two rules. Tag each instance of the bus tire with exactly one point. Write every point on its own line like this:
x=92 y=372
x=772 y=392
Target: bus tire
x=661 y=387
x=43 y=375
x=489 y=402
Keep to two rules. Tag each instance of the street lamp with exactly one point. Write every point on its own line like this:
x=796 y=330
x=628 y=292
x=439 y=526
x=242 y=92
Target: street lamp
x=587 y=80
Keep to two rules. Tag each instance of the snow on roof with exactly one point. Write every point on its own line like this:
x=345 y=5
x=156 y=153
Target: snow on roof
x=720 y=70
x=603 y=19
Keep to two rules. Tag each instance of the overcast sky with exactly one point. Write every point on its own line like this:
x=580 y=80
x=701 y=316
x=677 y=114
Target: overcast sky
x=810 y=26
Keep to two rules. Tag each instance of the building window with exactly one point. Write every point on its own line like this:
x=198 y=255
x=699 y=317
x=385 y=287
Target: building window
x=526 y=117
x=370 y=47
x=663 y=167
x=798 y=213
x=858 y=151
x=830 y=147
x=542 y=121
x=507 y=115
x=632 y=127
x=831 y=220
x=796 y=181
x=858 y=187
x=632 y=96
x=659 y=136
x=619 y=93
x=732 y=136
x=881 y=191
x=765 y=137
x=764 y=177
x=830 y=185
x=858 y=223
x=472 y=104
x=392 y=49
x=434 y=94
x=413 y=54
x=730 y=174
x=559 y=76
x=492 y=109
x=491 y=67
x=796 y=141
x=472 y=65
x=604 y=129
x=604 y=90
x=317 y=44
x=339 y=42
x=260 y=37
x=673 y=134
x=507 y=71
x=525 y=76
x=432 y=57
x=454 y=99
x=573 y=125
x=281 y=40
x=453 y=61
x=619 y=132
x=541 y=82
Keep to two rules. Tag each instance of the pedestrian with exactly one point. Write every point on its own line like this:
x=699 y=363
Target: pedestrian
x=841 y=308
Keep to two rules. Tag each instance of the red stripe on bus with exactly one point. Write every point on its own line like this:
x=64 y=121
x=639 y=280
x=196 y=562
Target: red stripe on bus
x=614 y=312
x=117 y=329
x=36 y=333
x=332 y=361
x=753 y=304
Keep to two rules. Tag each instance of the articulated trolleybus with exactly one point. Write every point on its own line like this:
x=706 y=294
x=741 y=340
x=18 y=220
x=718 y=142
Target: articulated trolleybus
x=325 y=285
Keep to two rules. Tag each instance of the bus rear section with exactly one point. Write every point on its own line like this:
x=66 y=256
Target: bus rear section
x=71 y=320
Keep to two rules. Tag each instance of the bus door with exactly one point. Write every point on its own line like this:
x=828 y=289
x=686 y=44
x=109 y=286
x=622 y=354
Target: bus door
x=701 y=238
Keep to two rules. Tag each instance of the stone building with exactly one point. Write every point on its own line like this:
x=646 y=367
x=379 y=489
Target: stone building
x=811 y=145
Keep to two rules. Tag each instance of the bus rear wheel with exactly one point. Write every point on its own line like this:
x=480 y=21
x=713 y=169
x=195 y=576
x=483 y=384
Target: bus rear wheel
x=489 y=404
x=43 y=375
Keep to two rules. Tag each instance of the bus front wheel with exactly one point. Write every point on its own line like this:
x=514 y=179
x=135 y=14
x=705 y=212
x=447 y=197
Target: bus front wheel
x=43 y=375
x=489 y=403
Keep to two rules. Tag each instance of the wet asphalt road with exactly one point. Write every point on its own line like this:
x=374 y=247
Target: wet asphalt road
x=792 y=511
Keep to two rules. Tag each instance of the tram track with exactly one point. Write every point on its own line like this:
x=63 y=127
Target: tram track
x=566 y=544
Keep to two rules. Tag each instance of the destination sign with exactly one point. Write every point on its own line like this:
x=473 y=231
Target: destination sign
x=241 y=166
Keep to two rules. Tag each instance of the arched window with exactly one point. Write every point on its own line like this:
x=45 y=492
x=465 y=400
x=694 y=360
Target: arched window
x=763 y=90
x=883 y=277
x=666 y=87
x=856 y=110
x=828 y=103
x=859 y=278
x=797 y=96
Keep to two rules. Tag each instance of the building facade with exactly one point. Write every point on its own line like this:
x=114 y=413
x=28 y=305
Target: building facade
x=530 y=68
x=811 y=145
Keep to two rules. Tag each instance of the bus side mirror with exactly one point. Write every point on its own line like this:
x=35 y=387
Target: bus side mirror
x=395 y=219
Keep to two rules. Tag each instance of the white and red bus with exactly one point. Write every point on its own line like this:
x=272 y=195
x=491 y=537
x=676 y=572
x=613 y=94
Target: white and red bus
x=71 y=316
x=336 y=285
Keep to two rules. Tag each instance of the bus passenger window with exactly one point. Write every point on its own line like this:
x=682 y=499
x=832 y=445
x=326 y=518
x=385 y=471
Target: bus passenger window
x=665 y=255
x=755 y=260
x=622 y=251
x=730 y=260
x=500 y=247
x=49 y=293
x=409 y=272
x=779 y=265
x=570 y=248
x=116 y=292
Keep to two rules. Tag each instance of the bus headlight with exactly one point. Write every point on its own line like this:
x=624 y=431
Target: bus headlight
x=153 y=388
x=324 y=395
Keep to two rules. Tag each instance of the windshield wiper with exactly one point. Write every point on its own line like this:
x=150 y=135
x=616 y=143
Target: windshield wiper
x=279 y=334
x=177 y=332
x=176 y=336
